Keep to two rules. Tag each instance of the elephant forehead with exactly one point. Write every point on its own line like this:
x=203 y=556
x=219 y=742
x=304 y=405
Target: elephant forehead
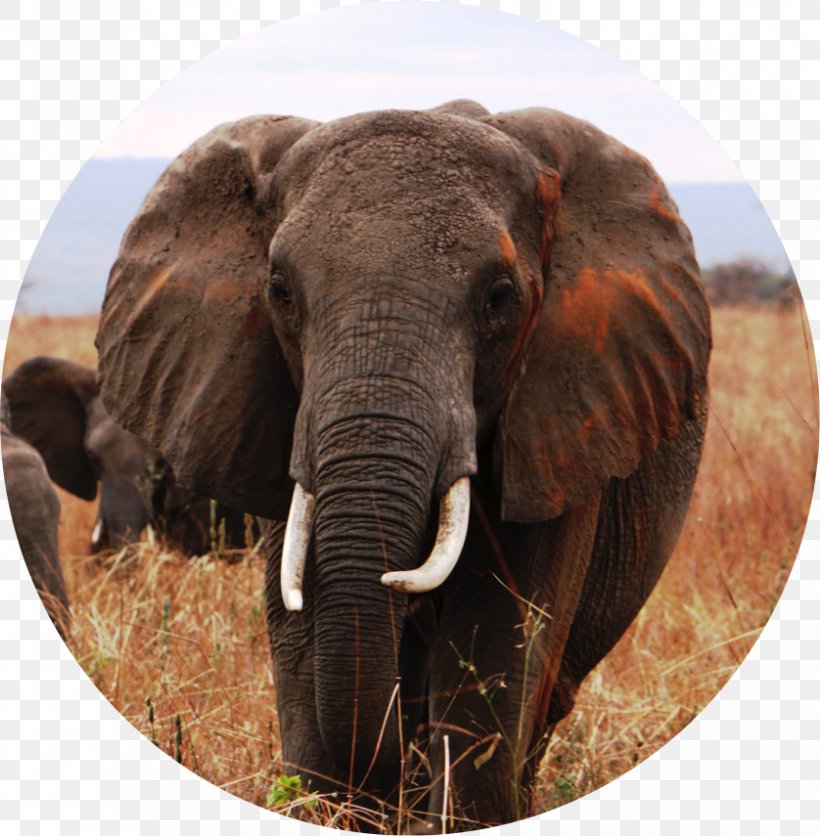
x=388 y=156
x=405 y=236
x=442 y=136
x=404 y=192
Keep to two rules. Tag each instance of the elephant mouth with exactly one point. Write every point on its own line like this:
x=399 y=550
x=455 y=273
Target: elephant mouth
x=454 y=517
x=106 y=536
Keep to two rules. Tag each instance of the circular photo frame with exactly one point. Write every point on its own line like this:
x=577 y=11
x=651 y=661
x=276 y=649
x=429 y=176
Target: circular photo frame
x=409 y=419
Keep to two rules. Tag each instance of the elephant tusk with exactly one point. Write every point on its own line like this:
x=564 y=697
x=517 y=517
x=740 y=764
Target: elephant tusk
x=295 y=547
x=96 y=534
x=454 y=517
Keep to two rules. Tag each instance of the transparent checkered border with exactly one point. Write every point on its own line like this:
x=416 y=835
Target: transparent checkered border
x=70 y=70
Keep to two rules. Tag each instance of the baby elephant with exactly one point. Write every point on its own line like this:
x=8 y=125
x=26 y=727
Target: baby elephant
x=35 y=510
x=55 y=406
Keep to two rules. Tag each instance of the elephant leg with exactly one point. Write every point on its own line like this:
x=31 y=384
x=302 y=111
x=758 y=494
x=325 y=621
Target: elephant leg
x=291 y=640
x=639 y=523
x=505 y=620
x=35 y=509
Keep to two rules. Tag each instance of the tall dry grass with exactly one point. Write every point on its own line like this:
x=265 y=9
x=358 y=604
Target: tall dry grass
x=179 y=645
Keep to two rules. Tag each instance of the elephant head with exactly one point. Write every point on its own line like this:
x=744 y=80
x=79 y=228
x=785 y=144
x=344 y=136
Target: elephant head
x=56 y=407
x=367 y=315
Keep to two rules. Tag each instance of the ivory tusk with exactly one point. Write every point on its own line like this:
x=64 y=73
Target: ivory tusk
x=96 y=534
x=454 y=517
x=295 y=548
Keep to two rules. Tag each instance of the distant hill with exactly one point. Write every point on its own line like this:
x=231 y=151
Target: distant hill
x=69 y=269
x=728 y=223
x=70 y=265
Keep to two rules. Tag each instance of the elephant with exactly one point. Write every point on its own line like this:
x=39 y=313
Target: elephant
x=56 y=407
x=465 y=356
x=35 y=511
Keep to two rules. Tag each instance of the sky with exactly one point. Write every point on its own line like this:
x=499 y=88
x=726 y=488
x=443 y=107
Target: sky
x=411 y=55
x=391 y=55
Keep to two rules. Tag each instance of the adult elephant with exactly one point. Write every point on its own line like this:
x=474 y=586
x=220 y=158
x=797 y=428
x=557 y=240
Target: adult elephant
x=35 y=511
x=56 y=407
x=458 y=334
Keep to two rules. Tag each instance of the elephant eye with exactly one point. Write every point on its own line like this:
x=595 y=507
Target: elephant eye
x=279 y=288
x=502 y=293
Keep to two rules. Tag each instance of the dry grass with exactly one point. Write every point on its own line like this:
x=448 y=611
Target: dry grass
x=179 y=645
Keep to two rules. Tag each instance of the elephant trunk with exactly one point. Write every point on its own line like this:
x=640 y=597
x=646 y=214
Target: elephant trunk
x=385 y=426
x=371 y=517
x=122 y=516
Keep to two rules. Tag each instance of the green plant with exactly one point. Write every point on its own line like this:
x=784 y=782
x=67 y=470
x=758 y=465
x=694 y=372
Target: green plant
x=287 y=791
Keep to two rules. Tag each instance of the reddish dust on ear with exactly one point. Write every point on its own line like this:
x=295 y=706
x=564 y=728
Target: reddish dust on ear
x=551 y=459
x=586 y=305
x=597 y=298
x=661 y=207
x=155 y=284
x=508 y=251
x=530 y=321
x=511 y=258
x=601 y=312
x=548 y=192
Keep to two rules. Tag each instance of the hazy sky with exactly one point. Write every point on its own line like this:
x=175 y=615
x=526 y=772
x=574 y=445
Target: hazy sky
x=414 y=55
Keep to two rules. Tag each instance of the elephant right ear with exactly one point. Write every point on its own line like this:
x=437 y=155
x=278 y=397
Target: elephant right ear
x=188 y=357
x=618 y=360
x=48 y=402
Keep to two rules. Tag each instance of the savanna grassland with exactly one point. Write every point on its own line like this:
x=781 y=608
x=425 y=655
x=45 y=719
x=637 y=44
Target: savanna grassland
x=179 y=645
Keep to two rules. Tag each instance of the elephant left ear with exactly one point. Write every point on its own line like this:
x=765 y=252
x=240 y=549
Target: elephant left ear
x=188 y=358
x=618 y=361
